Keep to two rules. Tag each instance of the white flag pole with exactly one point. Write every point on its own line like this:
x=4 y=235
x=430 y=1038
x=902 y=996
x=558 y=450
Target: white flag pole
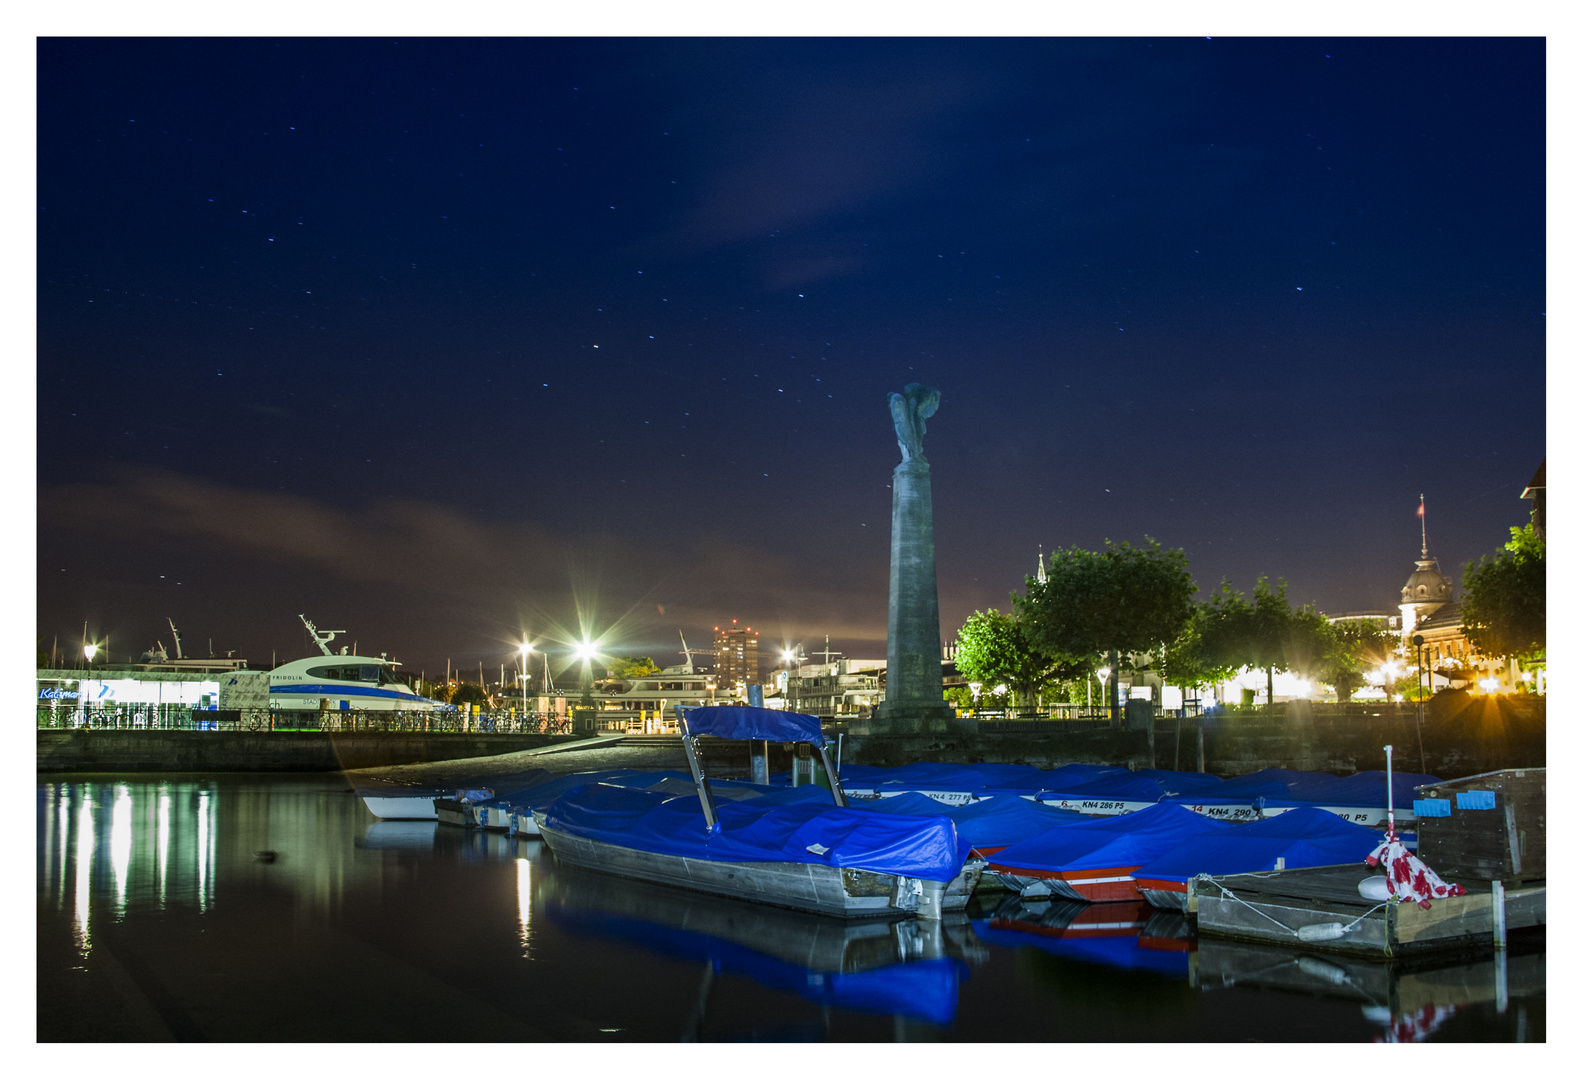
x=1390 y=800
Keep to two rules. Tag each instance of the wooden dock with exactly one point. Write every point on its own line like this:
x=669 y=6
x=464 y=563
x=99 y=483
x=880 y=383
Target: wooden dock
x=1276 y=907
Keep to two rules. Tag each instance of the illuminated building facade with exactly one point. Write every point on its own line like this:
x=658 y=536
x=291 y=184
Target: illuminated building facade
x=736 y=659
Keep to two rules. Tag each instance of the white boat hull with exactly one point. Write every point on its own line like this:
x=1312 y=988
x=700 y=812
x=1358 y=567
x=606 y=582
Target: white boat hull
x=815 y=887
x=401 y=807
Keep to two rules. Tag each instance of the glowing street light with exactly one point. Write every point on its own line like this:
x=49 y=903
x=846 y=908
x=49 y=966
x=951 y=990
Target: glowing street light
x=975 y=687
x=1489 y=685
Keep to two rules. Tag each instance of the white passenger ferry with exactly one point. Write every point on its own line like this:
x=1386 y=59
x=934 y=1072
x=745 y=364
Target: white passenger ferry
x=342 y=681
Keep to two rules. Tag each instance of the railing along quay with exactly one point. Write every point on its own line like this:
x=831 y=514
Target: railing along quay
x=347 y=721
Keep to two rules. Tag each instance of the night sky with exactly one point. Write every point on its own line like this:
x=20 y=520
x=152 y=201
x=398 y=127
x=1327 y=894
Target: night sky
x=447 y=341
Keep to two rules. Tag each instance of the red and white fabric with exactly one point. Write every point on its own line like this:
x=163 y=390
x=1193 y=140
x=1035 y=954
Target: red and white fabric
x=1407 y=874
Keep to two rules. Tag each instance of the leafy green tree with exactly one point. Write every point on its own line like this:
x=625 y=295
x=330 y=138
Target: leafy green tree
x=1123 y=599
x=1266 y=634
x=993 y=648
x=1360 y=645
x=1503 y=599
x=631 y=667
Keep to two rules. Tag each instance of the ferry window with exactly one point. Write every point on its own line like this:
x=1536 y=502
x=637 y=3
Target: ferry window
x=387 y=674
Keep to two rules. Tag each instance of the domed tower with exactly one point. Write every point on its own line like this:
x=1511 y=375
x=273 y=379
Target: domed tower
x=1427 y=589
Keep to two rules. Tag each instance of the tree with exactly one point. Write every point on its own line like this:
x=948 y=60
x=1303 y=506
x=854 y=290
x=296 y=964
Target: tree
x=1123 y=599
x=1266 y=634
x=631 y=667
x=1503 y=599
x=994 y=648
x=1360 y=645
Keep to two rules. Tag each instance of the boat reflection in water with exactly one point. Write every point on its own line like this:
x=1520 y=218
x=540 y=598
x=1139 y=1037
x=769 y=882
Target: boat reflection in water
x=1410 y=1003
x=1132 y=936
x=912 y=968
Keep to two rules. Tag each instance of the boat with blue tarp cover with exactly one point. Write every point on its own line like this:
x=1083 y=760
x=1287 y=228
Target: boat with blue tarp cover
x=1242 y=798
x=835 y=860
x=1304 y=836
x=1128 y=936
x=958 y=785
x=1359 y=798
x=989 y=824
x=911 y=968
x=1093 y=860
x=1111 y=795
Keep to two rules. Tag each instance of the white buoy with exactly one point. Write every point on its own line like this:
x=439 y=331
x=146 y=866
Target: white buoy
x=1325 y=931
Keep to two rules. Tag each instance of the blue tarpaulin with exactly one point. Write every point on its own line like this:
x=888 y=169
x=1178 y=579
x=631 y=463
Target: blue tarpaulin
x=1127 y=840
x=1306 y=836
x=1360 y=789
x=748 y=722
x=923 y=847
x=995 y=822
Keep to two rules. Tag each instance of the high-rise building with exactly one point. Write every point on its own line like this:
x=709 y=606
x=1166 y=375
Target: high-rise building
x=736 y=658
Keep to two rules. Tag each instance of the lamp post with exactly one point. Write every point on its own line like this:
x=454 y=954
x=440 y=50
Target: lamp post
x=89 y=651
x=1104 y=680
x=525 y=649
x=975 y=687
x=1418 y=719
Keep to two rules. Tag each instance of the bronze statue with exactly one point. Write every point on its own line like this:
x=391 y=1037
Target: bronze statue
x=909 y=409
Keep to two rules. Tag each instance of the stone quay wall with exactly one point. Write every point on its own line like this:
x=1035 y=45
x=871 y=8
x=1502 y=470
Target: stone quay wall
x=1462 y=736
x=93 y=750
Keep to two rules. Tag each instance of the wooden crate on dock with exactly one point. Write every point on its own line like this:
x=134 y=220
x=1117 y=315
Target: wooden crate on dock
x=1490 y=826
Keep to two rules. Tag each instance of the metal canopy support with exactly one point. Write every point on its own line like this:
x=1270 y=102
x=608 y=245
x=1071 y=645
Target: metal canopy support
x=705 y=797
x=835 y=781
x=759 y=760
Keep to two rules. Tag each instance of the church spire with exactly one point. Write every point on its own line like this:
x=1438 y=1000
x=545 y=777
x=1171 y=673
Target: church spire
x=1423 y=530
x=1040 y=574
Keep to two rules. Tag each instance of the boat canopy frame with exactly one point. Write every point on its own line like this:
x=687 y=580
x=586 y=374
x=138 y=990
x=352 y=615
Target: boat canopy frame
x=754 y=723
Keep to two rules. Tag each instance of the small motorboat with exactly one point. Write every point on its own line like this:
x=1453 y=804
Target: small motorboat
x=1243 y=798
x=804 y=854
x=1359 y=798
x=1305 y=836
x=1094 y=860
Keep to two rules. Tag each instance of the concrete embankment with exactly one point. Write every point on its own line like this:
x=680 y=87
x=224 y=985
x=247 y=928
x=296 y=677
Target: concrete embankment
x=97 y=750
x=1461 y=736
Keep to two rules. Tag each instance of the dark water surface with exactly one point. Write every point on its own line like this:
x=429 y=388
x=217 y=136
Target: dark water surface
x=158 y=920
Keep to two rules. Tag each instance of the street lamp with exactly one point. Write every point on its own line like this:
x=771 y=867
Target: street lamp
x=975 y=687
x=1104 y=679
x=525 y=649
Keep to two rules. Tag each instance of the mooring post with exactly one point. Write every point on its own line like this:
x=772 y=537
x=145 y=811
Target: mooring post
x=1200 y=744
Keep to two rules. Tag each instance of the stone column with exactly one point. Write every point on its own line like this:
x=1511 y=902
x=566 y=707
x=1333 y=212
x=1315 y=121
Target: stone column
x=913 y=699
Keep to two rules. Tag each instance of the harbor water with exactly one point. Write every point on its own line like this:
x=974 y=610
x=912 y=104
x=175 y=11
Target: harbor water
x=277 y=909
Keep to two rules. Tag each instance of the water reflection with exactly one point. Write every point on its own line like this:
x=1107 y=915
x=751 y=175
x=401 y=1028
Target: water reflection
x=1129 y=936
x=910 y=968
x=160 y=883
x=1407 y=1003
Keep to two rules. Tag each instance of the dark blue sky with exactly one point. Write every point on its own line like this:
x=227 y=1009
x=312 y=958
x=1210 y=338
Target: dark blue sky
x=444 y=340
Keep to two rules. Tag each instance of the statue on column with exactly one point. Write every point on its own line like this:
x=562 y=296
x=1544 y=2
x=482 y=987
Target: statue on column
x=908 y=410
